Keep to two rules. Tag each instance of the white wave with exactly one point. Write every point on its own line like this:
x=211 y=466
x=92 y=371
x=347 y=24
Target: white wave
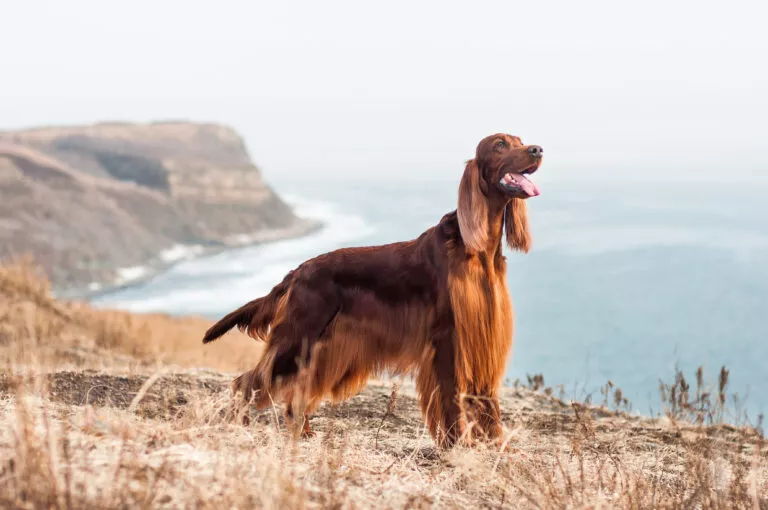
x=180 y=252
x=219 y=283
x=128 y=274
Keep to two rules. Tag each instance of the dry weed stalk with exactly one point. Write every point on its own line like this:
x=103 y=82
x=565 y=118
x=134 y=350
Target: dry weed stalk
x=391 y=405
x=89 y=418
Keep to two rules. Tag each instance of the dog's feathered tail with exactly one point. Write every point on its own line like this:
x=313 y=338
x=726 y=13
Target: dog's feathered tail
x=253 y=317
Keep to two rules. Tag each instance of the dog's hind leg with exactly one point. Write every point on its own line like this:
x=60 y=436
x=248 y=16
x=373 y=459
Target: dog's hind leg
x=247 y=390
x=248 y=386
x=281 y=372
x=309 y=311
x=297 y=420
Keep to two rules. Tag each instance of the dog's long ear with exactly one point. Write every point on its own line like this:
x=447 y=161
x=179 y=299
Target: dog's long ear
x=516 y=225
x=473 y=209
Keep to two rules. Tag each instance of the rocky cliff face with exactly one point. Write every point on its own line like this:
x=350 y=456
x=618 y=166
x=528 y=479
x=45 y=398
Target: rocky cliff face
x=86 y=201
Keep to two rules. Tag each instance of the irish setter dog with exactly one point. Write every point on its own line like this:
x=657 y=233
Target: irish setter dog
x=436 y=307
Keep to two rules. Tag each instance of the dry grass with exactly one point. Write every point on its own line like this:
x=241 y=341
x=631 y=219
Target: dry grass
x=98 y=411
x=34 y=326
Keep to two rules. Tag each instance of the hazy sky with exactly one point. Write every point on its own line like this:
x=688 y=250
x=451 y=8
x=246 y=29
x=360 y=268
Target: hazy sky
x=408 y=88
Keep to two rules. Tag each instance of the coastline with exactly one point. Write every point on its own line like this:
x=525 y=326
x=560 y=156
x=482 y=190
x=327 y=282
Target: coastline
x=138 y=275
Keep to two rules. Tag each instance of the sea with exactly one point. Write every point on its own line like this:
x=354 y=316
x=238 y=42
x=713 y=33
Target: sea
x=626 y=281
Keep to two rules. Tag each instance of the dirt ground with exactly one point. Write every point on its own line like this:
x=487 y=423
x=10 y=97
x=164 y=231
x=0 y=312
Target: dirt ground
x=105 y=409
x=554 y=452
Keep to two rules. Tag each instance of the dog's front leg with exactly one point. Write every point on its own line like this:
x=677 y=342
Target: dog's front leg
x=484 y=415
x=438 y=391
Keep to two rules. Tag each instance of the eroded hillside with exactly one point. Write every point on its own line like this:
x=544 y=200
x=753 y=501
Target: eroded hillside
x=87 y=201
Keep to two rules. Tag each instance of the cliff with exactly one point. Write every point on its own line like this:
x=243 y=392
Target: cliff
x=86 y=201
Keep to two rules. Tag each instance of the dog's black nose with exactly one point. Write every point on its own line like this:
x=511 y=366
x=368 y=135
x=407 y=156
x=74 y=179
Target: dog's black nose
x=535 y=151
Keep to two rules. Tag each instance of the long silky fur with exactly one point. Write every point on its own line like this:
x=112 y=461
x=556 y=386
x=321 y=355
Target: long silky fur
x=436 y=307
x=516 y=228
x=472 y=209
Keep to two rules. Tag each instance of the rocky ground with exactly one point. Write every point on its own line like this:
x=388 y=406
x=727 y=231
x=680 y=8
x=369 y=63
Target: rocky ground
x=104 y=409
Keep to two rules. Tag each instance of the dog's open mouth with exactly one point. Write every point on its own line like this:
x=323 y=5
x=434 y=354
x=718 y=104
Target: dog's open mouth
x=520 y=183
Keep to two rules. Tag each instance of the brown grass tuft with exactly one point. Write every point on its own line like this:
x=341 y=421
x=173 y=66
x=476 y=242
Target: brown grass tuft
x=102 y=409
x=35 y=325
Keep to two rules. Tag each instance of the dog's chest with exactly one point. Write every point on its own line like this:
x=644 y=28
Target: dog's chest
x=483 y=319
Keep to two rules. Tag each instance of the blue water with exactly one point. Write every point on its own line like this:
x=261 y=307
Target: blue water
x=625 y=281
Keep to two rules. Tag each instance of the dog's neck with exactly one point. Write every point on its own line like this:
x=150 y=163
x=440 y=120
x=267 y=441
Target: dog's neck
x=496 y=206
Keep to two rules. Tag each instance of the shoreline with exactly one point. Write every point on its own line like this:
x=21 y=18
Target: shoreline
x=157 y=266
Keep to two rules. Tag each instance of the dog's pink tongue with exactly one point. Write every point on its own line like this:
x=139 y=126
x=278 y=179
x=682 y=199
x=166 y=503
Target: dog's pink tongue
x=528 y=186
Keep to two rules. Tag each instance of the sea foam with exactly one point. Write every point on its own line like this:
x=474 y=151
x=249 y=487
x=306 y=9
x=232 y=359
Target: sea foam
x=211 y=285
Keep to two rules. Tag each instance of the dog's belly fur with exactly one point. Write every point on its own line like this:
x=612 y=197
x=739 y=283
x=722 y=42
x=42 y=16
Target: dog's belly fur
x=357 y=346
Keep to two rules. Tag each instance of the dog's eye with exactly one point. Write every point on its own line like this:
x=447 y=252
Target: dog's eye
x=501 y=144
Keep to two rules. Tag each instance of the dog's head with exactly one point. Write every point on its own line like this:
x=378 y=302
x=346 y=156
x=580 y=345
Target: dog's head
x=499 y=175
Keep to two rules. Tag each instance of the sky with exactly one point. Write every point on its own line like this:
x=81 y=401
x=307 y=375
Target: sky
x=407 y=89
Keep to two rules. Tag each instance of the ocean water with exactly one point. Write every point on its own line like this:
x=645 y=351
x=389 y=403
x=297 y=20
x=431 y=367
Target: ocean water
x=625 y=282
